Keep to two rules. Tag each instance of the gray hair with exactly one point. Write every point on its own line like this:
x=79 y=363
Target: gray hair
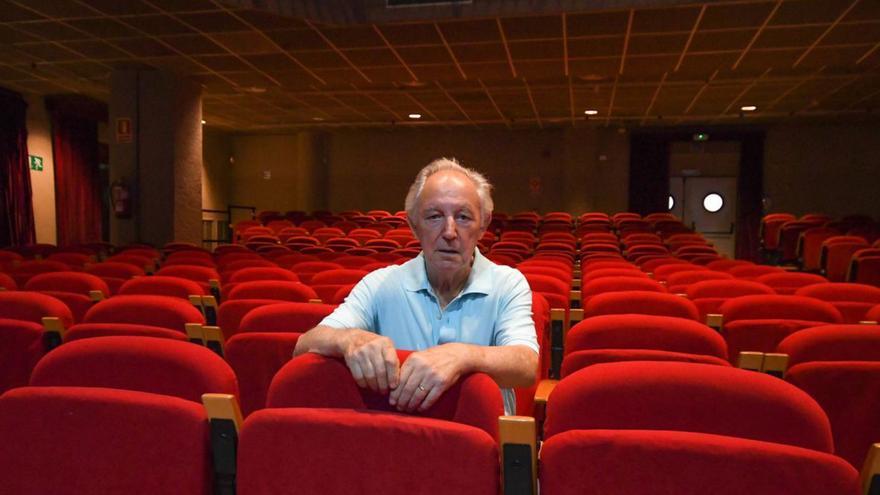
x=484 y=188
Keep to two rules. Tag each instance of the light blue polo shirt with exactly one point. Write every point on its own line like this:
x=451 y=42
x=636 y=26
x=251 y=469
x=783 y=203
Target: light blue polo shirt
x=494 y=308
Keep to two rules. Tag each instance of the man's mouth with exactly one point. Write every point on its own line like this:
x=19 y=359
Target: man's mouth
x=448 y=251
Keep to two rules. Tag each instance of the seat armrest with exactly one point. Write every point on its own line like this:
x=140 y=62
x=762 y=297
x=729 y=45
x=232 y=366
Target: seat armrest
x=519 y=456
x=870 y=475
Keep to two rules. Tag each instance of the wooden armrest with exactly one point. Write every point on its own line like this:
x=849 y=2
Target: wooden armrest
x=574 y=299
x=210 y=309
x=224 y=414
x=775 y=364
x=518 y=454
x=316 y=301
x=867 y=322
x=575 y=316
x=679 y=294
x=195 y=333
x=715 y=320
x=576 y=284
x=752 y=361
x=545 y=387
x=196 y=300
x=214 y=283
x=96 y=295
x=214 y=339
x=870 y=475
x=53 y=332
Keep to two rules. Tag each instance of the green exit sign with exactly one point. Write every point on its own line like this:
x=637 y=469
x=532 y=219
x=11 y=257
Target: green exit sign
x=36 y=163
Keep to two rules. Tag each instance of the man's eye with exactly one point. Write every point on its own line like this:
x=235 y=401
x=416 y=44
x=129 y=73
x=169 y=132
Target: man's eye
x=464 y=217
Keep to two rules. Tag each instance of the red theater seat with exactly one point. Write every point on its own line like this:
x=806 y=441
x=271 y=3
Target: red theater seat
x=317 y=412
x=106 y=440
x=640 y=302
x=21 y=333
x=852 y=300
x=759 y=323
x=839 y=366
x=709 y=295
x=788 y=283
x=630 y=337
x=159 y=311
x=145 y=364
x=617 y=428
x=265 y=342
x=73 y=288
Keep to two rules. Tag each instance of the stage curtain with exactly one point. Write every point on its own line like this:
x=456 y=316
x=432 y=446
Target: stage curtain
x=16 y=206
x=77 y=177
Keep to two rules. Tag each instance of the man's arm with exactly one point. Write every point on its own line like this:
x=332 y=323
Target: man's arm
x=371 y=358
x=425 y=375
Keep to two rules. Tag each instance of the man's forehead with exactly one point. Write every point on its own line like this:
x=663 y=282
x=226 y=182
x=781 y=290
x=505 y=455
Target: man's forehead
x=446 y=185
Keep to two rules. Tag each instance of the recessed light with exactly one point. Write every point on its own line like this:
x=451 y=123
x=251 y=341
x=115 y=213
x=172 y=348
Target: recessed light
x=748 y=108
x=318 y=119
x=203 y=122
x=415 y=116
x=591 y=112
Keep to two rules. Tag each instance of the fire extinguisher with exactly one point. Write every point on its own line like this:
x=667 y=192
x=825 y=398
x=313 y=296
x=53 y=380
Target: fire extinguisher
x=120 y=198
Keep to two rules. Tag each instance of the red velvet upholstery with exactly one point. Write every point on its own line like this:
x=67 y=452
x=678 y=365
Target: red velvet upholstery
x=89 y=330
x=32 y=307
x=338 y=276
x=114 y=274
x=852 y=300
x=709 y=295
x=629 y=337
x=230 y=313
x=280 y=290
x=677 y=283
x=341 y=451
x=593 y=274
x=619 y=284
x=788 y=283
x=266 y=342
x=305 y=270
x=161 y=285
x=751 y=272
x=29 y=268
x=581 y=359
x=636 y=462
x=104 y=441
x=263 y=273
x=725 y=265
x=160 y=311
x=200 y=274
x=559 y=273
x=848 y=392
x=145 y=364
x=873 y=314
x=74 y=282
x=832 y=343
x=759 y=323
x=699 y=398
x=311 y=380
x=7 y=282
x=664 y=271
x=640 y=302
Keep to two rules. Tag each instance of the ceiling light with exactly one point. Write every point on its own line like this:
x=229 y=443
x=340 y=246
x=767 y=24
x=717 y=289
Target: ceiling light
x=591 y=112
x=318 y=119
x=748 y=108
x=415 y=116
x=203 y=122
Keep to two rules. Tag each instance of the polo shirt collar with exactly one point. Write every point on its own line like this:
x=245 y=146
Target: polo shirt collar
x=479 y=280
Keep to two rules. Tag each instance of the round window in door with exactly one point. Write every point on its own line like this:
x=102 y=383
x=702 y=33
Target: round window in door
x=713 y=202
x=671 y=202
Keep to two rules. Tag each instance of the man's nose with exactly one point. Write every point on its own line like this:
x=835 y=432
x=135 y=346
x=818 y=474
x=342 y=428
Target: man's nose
x=449 y=230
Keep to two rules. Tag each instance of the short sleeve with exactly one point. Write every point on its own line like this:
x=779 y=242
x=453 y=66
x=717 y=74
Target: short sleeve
x=359 y=308
x=515 y=325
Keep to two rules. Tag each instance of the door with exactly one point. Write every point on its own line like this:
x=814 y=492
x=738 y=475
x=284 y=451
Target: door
x=702 y=189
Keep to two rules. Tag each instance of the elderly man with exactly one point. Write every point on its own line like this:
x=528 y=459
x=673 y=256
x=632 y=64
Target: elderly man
x=460 y=312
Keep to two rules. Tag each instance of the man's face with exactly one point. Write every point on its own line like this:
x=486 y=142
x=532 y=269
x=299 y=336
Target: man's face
x=448 y=222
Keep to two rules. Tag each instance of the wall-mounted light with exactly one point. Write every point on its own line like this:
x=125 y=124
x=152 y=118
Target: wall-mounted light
x=748 y=108
x=204 y=122
x=591 y=112
x=415 y=116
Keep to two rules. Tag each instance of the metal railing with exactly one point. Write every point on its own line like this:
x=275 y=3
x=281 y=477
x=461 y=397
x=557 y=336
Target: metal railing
x=217 y=224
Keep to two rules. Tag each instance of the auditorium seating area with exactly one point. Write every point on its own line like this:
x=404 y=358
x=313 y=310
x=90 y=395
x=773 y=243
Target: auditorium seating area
x=656 y=352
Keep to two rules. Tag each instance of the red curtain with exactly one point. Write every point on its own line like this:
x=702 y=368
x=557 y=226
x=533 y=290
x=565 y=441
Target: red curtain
x=77 y=177
x=16 y=207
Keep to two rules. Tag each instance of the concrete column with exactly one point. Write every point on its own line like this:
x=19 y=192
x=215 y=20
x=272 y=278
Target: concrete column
x=162 y=162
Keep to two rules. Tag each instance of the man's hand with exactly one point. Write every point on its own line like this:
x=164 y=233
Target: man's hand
x=425 y=375
x=371 y=359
